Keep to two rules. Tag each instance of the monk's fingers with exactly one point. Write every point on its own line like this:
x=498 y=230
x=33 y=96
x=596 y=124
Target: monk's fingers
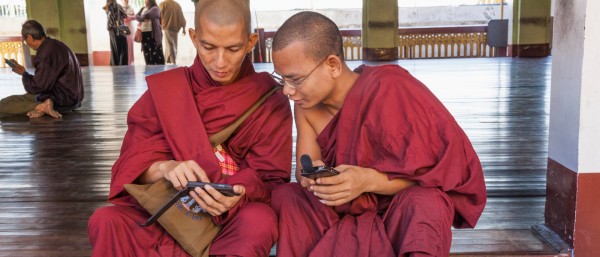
x=196 y=194
x=318 y=163
x=306 y=182
x=336 y=202
x=208 y=197
x=189 y=175
x=221 y=202
x=239 y=189
x=177 y=184
x=198 y=171
x=333 y=180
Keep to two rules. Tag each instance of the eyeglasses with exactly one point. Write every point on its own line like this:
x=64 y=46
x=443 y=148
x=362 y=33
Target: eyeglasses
x=295 y=84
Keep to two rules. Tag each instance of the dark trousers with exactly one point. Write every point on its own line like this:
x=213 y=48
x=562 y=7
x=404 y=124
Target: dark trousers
x=118 y=49
x=153 y=53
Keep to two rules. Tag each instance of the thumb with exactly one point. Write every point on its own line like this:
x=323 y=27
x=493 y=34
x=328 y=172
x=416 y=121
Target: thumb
x=239 y=189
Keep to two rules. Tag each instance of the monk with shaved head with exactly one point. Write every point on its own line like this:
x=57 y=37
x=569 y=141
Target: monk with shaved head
x=406 y=172
x=170 y=138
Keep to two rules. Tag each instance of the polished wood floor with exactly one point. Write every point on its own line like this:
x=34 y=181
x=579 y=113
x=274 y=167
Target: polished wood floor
x=54 y=173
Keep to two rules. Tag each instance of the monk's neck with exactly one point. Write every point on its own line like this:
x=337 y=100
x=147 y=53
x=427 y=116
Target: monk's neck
x=343 y=86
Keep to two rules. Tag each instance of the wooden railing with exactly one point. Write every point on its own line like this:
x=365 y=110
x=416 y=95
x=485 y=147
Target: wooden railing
x=12 y=48
x=413 y=43
x=444 y=42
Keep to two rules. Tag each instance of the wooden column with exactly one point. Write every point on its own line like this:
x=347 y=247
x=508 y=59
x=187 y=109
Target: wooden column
x=380 y=30
x=63 y=20
x=573 y=191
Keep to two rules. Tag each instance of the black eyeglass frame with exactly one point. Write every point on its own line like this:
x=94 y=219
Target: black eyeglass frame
x=295 y=84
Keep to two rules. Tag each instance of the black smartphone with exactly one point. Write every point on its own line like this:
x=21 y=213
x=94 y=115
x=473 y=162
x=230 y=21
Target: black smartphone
x=225 y=189
x=319 y=172
x=311 y=172
x=10 y=63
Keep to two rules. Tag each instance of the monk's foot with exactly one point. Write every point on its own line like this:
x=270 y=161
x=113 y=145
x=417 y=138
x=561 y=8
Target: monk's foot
x=47 y=107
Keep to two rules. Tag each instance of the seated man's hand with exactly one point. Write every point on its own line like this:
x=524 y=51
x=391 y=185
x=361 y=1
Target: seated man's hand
x=345 y=187
x=19 y=69
x=180 y=173
x=215 y=203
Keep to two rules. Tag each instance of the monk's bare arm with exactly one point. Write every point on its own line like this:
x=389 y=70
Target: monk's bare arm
x=379 y=183
x=306 y=142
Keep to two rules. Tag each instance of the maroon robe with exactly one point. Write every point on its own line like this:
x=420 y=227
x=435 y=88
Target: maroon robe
x=173 y=121
x=392 y=123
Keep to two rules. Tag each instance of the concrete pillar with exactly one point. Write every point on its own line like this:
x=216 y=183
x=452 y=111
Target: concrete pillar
x=380 y=30
x=532 y=28
x=573 y=181
x=64 y=20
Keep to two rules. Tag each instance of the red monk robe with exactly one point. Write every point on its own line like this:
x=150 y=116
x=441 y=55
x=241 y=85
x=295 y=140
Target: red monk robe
x=172 y=121
x=392 y=123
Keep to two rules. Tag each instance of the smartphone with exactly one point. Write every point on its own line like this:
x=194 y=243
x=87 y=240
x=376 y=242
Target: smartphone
x=312 y=172
x=10 y=63
x=225 y=189
x=319 y=172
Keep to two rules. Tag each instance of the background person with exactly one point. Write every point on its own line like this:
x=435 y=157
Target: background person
x=56 y=86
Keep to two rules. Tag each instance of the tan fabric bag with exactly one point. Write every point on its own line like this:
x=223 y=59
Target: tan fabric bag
x=193 y=231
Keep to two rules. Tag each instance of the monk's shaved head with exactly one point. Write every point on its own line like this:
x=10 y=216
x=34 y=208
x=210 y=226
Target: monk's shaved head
x=224 y=12
x=320 y=36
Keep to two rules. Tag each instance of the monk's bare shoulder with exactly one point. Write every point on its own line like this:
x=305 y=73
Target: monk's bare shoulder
x=316 y=118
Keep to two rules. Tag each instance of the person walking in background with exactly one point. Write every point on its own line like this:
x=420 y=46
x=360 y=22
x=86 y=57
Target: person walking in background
x=149 y=17
x=130 y=17
x=118 y=41
x=172 y=21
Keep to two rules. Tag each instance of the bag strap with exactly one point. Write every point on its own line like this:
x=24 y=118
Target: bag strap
x=222 y=136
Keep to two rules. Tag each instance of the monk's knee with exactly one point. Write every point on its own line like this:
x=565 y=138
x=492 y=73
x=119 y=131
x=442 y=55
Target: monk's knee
x=421 y=220
x=260 y=219
x=289 y=193
x=107 y=218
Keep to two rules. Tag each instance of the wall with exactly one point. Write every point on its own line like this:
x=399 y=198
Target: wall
x=69 y=16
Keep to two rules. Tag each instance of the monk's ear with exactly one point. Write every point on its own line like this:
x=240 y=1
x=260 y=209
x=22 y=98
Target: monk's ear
x=251 y=42
x=335 y=65
x=192 y=34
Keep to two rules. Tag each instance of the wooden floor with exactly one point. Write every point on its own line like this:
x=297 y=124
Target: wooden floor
x=54 y=173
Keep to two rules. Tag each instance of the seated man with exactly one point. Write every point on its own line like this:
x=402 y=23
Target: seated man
x=167 y=137
x=55 y=87
x=407 y=171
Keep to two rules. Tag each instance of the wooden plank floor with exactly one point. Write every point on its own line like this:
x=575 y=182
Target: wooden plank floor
x=55 y=173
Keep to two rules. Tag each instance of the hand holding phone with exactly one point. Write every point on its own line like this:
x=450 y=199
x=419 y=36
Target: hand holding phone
x=315 y=172
x=12 y=63
x=225 y=189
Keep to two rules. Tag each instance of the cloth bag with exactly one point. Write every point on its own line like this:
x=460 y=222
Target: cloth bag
x=193 y=231
x=123 y=29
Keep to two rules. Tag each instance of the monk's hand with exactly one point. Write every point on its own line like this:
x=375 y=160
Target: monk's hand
x=304 y=181
x=345 y=187
x=180 y=173
x=215 y=203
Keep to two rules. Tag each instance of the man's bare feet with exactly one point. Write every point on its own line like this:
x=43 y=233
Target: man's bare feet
x=45 y=107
